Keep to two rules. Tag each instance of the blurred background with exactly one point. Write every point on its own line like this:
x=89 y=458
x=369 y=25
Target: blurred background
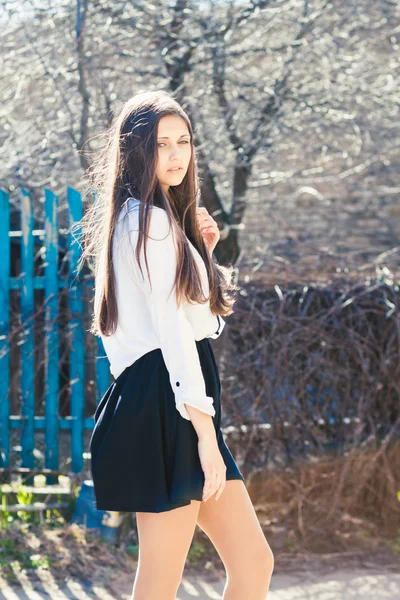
x=294 y=103
x=295 y=109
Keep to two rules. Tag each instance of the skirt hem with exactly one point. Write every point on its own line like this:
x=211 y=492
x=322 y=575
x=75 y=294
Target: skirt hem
x=171 y=506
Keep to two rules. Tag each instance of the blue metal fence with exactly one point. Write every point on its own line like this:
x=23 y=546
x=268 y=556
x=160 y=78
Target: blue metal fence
x=51 y=283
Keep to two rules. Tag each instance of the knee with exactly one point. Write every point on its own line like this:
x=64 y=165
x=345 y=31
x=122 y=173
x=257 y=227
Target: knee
x=263 y=562
x=255 y=570
x=269 y=560
x=262 y=568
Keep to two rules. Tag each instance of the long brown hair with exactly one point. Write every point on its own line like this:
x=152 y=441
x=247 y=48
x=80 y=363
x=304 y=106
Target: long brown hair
x=126 y=168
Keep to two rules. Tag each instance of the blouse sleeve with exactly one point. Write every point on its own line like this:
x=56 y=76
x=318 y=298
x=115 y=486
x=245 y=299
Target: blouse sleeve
x=175 y=333
x=221 y=325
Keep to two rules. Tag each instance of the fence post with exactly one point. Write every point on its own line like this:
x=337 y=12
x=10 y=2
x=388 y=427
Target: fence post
x=76 y=332
x=27 y=345
x=52 y=351
x=4 y=329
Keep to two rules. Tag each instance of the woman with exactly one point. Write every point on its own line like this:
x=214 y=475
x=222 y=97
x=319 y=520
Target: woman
x=157 y=447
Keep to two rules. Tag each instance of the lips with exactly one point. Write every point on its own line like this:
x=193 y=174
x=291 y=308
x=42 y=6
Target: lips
x=172 y=170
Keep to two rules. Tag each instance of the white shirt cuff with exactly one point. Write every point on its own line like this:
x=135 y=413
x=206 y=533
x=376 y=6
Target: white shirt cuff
x=204 y=404
x=221 y=325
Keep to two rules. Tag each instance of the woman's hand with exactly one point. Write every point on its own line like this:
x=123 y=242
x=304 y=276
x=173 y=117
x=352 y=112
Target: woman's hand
x=208 y=228
x=213 y=466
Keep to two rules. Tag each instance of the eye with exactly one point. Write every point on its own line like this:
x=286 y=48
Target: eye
x=182 y=142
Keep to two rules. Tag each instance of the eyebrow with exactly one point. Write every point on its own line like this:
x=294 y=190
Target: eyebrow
x=167 y=138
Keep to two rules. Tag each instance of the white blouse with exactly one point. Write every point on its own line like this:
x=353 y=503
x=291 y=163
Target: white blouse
x=147 y=318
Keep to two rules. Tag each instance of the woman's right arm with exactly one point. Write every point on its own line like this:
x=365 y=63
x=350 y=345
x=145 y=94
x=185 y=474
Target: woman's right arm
x=173 y=330
x=211 y=460
x=178 y=346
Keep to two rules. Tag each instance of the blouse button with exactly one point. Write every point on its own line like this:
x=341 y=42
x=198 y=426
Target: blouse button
x=177 y=383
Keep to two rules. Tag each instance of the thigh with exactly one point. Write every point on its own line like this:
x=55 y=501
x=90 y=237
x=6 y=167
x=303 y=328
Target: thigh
x=233 y=527
x=165 y=539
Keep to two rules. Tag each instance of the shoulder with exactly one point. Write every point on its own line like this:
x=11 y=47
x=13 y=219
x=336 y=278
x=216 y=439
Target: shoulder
x=160 y=227
x=159 y=224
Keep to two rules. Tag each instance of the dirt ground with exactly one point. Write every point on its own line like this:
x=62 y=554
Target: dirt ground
x=308 y=584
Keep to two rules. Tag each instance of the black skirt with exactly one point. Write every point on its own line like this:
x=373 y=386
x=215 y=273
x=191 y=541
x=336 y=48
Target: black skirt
x=144 y=454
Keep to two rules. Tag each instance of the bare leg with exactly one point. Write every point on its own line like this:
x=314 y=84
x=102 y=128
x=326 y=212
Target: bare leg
x=232 y=525
x=164 y=542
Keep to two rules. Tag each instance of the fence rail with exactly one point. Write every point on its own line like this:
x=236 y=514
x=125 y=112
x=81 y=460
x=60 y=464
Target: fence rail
x=52 y=282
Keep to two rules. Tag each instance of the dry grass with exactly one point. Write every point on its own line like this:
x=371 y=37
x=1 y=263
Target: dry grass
x=334 y=504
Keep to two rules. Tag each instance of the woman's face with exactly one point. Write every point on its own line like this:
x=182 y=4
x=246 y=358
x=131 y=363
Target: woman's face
x=174 y=150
